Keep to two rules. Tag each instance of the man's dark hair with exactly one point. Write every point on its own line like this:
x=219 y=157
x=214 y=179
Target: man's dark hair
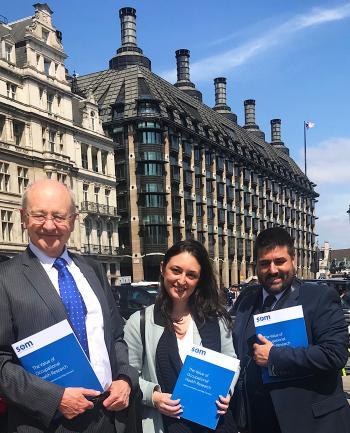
x=274 y=237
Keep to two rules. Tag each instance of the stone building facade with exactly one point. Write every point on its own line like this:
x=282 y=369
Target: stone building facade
x=186 y=170
x=46 y=130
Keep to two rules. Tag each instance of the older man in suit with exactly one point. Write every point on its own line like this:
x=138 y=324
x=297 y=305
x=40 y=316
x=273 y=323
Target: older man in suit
x=33 y=296
x=307 y=394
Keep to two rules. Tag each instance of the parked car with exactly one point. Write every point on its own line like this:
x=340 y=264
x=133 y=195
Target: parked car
x=135 y=296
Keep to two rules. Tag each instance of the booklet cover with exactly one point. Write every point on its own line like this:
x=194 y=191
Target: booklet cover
x=204 y=376
x=285 y=327
x=54 y=354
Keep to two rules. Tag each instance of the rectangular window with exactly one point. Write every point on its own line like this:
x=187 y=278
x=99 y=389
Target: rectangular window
x=52 y=139
x=43 y=134
x=85 y=191
x=84 y=156
x=61 y=177
x=4 y=177
x=104 y=156
x=94 y=160
x=47 y=65
x=155 y=235
x=50 y=98
x=96 y=192
x=41 y=95
x=8 y=52
x=18 y=130
x=45 y=35
x=6 y=225
x=23 y=180
x=37 y=59
x=107 y=196
x=11 y=90
x=60 y=142
x=93 y=120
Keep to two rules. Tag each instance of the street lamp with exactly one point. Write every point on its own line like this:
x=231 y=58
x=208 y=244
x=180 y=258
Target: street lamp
x=348 y=212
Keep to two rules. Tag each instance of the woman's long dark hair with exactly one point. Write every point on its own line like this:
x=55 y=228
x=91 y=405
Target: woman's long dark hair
x=205 y=303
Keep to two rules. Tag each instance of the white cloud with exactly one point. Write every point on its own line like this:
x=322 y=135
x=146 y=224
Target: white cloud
x=209 y=67
x=328 y=167
x=329 y=161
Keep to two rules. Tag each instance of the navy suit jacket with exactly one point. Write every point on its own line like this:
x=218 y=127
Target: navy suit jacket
x=309 y=397
x=28 y=304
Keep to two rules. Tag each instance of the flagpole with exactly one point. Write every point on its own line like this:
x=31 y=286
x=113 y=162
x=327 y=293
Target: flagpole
x=305 y=147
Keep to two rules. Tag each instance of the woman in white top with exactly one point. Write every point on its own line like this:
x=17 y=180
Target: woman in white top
x=187 y=311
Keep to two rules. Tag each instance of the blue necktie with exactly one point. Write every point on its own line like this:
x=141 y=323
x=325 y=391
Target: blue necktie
x=73 y=302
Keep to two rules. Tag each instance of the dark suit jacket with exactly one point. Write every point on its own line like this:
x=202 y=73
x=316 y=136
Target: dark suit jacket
x=28 y=304
x=310 y=396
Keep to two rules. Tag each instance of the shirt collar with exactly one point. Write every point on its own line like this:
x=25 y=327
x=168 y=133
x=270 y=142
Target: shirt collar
x=46 y=260
x=277 y=295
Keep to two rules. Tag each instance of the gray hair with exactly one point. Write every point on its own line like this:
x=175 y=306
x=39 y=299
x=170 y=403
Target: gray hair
x=73 y=207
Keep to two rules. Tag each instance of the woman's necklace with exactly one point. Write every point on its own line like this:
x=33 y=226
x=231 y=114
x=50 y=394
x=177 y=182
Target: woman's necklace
x=181 y=324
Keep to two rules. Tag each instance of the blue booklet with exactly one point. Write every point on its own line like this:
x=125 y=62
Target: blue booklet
x=54 y=354
x=285 y=327
x=204 y=376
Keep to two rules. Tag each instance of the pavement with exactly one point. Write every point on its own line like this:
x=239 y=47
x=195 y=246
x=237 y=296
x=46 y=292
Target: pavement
x=346 y=385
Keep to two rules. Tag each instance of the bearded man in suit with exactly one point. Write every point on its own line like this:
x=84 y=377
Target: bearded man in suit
x=31 y=299
x=306 y=394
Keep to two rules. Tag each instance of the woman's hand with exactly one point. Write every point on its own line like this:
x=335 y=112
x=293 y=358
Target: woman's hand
x=223 y=404
x=166 y=405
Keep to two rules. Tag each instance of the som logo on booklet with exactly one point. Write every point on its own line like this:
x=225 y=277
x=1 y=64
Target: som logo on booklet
x=24 y=346
x=263 y=318
x=199 y=351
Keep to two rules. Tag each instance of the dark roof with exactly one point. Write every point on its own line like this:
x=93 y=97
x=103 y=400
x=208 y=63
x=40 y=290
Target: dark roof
x=19 y=28
x=340 y=254
x=136 y=82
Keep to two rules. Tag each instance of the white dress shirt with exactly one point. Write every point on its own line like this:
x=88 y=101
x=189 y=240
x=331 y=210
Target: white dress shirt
x=277 y=296
x=99 y=358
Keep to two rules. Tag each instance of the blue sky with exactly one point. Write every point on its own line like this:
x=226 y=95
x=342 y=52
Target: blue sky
x=292 y=57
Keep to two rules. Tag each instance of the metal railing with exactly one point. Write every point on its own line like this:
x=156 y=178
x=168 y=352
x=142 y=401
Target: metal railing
x=103 y=209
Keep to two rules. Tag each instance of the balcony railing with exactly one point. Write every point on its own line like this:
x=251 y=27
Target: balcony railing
x=103 y=209
x=99 y=249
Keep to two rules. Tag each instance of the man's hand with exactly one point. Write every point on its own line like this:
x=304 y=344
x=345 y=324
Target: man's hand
x=73 y=401
x=223 y=404
x=163 y=402
x=119 y=395
x=262 y=351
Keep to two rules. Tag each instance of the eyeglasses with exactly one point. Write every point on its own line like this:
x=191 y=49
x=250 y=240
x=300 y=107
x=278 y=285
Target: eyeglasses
x=56 y=219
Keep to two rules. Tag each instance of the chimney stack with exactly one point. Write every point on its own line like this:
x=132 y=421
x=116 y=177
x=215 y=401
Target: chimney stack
x=183 y=74
x=128 y=26
x=220 y=99
x=129 y=53
x=276 y=135
x=276 y=131
x=183 y=66
x=249 y=114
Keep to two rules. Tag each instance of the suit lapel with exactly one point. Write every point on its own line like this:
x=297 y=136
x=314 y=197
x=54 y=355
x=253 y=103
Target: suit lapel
x=40 y=281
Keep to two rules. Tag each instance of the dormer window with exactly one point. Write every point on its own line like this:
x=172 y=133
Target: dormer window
x=45 y=35
x=8 y=52
x=93 y=120
x=148 y=107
